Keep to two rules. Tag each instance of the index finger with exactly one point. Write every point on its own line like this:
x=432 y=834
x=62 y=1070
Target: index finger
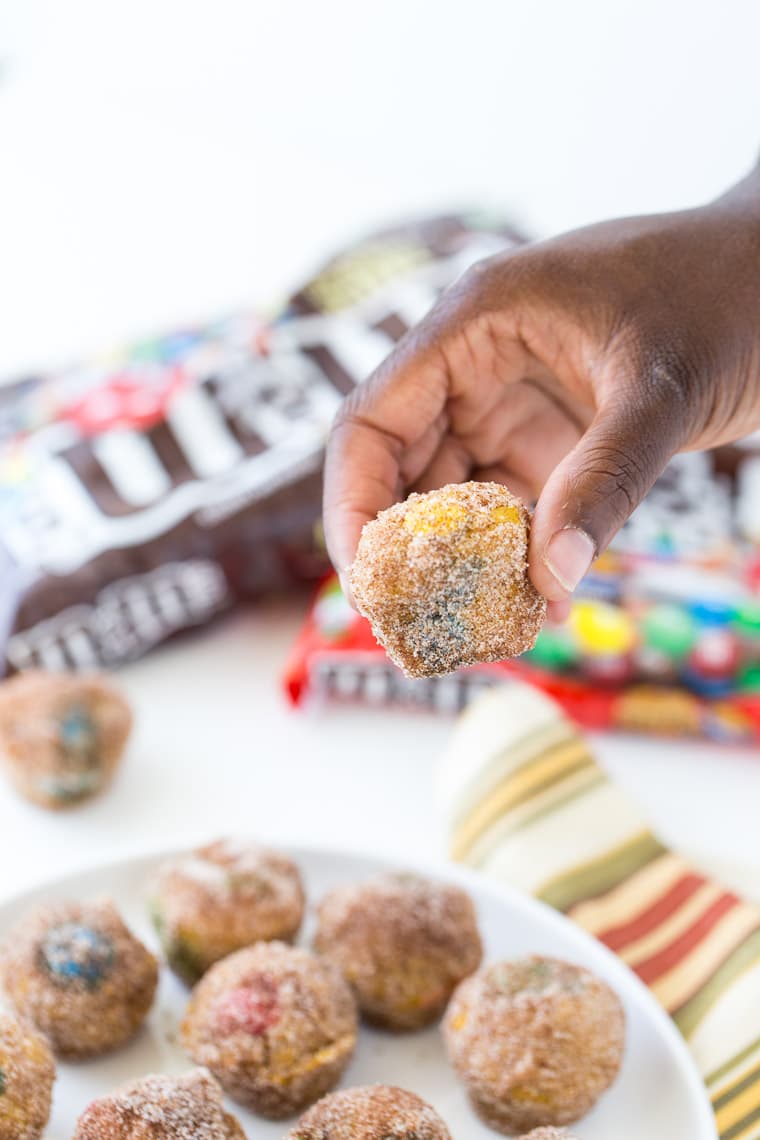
x=376 y=431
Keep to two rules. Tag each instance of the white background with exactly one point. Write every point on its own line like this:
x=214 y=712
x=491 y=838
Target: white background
x=166 y=159
x=162 y=160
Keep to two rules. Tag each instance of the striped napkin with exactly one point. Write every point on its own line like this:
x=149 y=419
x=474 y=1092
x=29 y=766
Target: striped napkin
x=526 y=803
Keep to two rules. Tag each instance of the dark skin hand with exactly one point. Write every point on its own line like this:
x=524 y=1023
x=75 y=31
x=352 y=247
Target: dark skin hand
x=570 y=370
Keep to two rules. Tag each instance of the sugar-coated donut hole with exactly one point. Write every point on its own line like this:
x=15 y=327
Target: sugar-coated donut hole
x=276 y=1025
x=162 y=1108
x=443 y=579
x=404 y=943
x=373 y=1112
x=27 y=1073
x=220 y=898
x=62 y=736
x=79 y=974
x=535 y=1041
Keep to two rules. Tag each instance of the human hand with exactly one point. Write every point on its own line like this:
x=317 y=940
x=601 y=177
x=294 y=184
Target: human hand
x=572 y=371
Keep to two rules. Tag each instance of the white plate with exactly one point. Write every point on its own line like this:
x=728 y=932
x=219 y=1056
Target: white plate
x=658 y=1093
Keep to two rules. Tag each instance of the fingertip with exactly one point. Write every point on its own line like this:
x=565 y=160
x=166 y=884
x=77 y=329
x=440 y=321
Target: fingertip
x=345 y=585
x=342 y=534
x=361 y=478
x=558 y=565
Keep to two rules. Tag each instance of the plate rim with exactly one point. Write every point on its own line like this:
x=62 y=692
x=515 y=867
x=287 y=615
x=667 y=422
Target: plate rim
x=433 y=868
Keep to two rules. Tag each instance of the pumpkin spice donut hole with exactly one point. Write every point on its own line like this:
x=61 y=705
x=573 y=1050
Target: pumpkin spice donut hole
x=403 y=942
x=443 y=579
x=161 y=1108
x=375 y=1112
x=536 y=1042
x=80 y=976
x=61 y=736
x=216 y=900
x=275 y=1025
x=27 y=1074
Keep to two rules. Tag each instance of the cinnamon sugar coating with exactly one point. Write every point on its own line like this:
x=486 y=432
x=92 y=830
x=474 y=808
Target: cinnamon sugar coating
x=161 y=1108
x=275 y=1025
x=536 y=1042
x=61 y=736
x=224 y=896
x=27 y=1073
x=403 y=942
x=80 y=976
x=548 y=1134
x=375 y=1112
x=443 y=579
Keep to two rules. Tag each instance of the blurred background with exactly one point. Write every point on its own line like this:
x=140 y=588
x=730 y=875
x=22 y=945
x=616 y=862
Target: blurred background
x=166 y=160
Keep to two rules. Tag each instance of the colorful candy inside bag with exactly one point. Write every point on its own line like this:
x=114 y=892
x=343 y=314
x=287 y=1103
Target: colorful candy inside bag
x=664 y=635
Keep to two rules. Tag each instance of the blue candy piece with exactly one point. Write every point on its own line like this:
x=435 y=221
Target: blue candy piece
x=713 y=687
x=73 y=954
x=712 y=611
x=76 y=730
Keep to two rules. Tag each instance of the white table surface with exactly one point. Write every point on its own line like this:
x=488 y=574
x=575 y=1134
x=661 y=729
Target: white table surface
x=217 y=750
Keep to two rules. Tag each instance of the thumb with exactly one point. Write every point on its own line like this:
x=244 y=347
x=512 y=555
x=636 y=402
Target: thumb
x=596 y=488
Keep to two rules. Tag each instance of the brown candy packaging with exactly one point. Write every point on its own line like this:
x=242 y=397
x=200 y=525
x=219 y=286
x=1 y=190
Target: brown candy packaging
x=141 y=497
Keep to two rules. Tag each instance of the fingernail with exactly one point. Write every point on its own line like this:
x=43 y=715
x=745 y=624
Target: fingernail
x=345 y=585
x=568 y=556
